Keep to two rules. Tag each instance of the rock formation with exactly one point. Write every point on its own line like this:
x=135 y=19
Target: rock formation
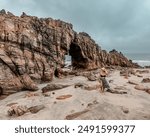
x=32 y=49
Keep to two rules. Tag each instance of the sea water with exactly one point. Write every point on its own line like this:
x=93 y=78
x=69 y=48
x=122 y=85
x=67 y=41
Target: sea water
x=67 y=60
x=143 y=59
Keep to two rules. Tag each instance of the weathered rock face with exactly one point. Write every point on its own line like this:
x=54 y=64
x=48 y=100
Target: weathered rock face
x=84 y=52
x=118 y=59
x=32 y=48
x=87 y=54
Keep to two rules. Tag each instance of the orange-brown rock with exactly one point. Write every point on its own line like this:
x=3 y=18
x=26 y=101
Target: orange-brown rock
x=32 y=49
x=52 y=87
x=148 y=91
x=146 y=80
x=140 y=87
x=133 y=82
x=62 y=97
x=142 y=71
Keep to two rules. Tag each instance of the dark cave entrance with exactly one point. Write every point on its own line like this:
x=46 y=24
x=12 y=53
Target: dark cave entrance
x=77 y=59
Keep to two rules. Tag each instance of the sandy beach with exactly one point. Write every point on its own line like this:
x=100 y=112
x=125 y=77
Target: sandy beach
x=35 y=82
x=83 y=99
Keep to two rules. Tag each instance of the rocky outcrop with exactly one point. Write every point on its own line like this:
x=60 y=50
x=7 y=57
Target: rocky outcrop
x=118 y=59
x=32 y=49
x=85 y=52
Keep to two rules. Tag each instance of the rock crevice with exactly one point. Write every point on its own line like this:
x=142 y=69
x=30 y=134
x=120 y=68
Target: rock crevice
x=32 y=48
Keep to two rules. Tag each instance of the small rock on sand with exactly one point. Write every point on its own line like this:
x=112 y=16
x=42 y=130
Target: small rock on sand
x=125 y=110
x=142 y=71
x=148 y=91
x=89 y=87
x=17 y=110
x=63 y=97
x=138 y=75
x=146 y=80
x=92 y=78
x=36 y=109
x=52 y=87
x=75 y=115
x=133 y=82
x=140 y=87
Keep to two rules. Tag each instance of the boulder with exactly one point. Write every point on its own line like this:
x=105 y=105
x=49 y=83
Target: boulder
x=133 y=82
x=91 y=86
x=92 y=78
x=17 y=110
x=140 y=87
x=142 y=71
x=80 y=85
x=125 y=110
x=127 y=72
x=75 y=115
x=52 y=87
x=148 y=91
x=35 y=109
x=28 y=84
x=35 y=51
x=146 y=80
x=138 y=75
x=2 y=11
x=124 y=73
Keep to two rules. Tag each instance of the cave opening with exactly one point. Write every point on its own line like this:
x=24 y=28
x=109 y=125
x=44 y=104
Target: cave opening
x=77 y=59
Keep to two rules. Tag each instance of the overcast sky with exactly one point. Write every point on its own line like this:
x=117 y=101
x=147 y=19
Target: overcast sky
x=114 y=24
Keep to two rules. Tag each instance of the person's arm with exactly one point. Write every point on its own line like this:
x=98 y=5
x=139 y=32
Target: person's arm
x=106 y=72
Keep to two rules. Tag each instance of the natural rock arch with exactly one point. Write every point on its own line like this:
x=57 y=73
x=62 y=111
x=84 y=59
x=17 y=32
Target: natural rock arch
x=77 y=58
x=33 y=49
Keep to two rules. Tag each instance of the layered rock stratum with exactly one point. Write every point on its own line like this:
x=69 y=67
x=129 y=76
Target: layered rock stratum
x=32 y=49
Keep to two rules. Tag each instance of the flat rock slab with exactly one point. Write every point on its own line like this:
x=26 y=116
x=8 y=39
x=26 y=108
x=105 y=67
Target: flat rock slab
x=63 y=97
x=133 y=82
x=75 y=115
x=140 y=87
x=89 y=86
x=52 y=87
x=142 y=71
x=36 y=109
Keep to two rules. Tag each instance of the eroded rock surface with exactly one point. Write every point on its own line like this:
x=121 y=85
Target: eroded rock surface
x=32 y=49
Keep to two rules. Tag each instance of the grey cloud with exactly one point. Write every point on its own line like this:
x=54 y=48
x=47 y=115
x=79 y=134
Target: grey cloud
x=120 y=24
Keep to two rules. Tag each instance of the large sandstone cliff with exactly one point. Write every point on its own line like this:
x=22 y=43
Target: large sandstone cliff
x=32 y=48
